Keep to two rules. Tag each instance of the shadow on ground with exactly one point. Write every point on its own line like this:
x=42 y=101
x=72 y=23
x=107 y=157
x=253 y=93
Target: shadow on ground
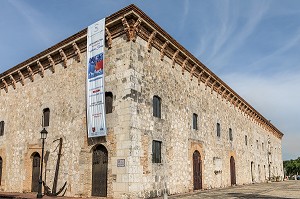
x=10 y=196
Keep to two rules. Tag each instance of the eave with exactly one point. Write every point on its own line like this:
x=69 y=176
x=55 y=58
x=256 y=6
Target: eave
x=133 y=22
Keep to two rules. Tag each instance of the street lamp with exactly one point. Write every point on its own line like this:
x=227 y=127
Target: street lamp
x=43 y=137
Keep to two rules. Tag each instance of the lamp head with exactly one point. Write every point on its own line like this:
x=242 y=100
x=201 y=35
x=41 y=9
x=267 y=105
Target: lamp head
x=44 y=134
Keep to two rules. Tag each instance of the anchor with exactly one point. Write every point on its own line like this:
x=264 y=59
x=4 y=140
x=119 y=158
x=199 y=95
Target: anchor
x=47 y=189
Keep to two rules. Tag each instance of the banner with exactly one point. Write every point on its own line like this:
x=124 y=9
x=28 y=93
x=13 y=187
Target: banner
x=95 y=80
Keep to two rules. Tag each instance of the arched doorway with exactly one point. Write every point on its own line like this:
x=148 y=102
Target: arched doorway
x=36 y=162
x=259 y=173
x=197 y=167
x=99 y=171
x=252 y=173
x=265 y=172
x=1 y=163
x=232 y=171
x=269 y=172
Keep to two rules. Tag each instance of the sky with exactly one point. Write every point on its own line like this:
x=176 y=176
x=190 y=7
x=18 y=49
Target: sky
x=253 y=45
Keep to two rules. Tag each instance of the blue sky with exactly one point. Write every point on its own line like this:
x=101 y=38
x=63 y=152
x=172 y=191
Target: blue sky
x=252 y=45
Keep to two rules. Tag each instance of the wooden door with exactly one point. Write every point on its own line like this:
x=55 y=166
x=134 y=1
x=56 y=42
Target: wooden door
x=35 y=172
x=99 y=171
x=259 y=173
x=197 y=170
x=269 y=172
x=232 y=171
x=252 y=173
x=0 y=170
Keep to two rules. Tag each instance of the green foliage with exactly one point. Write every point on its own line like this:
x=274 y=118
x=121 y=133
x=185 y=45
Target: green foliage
x=292 y=167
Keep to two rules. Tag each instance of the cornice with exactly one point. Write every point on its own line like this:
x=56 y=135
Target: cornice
x=133 y=22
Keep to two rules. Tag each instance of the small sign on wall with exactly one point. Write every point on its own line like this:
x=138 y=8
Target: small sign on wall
x=120 y=162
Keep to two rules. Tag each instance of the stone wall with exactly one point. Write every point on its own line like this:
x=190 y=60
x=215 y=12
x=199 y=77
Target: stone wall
x=181 y=98
x=63 y=92
x=134 y=76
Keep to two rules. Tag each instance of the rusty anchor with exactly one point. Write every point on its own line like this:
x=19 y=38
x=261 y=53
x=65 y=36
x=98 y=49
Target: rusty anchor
x=47 y=189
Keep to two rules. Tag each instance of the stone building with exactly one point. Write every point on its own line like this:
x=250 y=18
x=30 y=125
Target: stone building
x=173 y=125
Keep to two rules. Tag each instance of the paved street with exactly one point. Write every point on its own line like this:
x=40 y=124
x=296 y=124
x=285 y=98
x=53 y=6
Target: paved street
x=274 y=190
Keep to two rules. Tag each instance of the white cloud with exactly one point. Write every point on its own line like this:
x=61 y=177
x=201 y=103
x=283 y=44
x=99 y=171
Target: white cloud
x=227 y=24
x=186 y=8
x=228 y=30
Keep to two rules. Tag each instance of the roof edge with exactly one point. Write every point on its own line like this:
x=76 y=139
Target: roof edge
x=148 y=21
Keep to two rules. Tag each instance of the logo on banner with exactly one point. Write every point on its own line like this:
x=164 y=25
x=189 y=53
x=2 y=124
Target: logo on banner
x=95 y=66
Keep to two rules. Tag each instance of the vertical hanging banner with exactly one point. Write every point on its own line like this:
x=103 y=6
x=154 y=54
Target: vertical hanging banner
x=95 y=80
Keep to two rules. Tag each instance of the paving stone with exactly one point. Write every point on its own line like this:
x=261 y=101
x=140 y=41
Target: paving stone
x=274 y=190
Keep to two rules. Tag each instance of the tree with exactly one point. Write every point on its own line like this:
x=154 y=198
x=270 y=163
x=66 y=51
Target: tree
x=292 y=167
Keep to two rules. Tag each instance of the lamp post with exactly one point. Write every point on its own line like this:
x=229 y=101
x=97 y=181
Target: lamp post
x=43 y=137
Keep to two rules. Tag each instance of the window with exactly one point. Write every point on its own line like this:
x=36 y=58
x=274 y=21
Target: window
x=1 y=128
x=230 y=134
x=262 y=146
x=156 y=151
x=108 y=102
x=36 y=160
x=218 y=130
x=195 y=121
x=246 y=140
x=156 y=106
x=257 y=144
x=46 y=117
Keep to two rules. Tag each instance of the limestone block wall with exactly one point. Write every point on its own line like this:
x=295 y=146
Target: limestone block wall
x=2 y=155
x=64 y=93
x=134 y=76
x=22 y=111
x=181 y=98
x=119 y=80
